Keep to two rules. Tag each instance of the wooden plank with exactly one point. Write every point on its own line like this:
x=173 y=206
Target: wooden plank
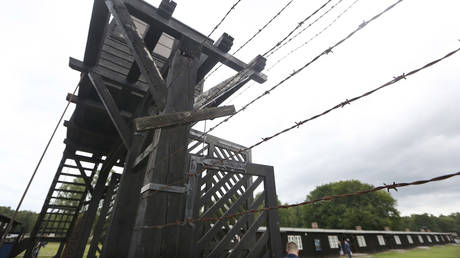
x=144 y=59
x=219 y=93
x=123 y=211
x=234 y=207
x=116 y=244
x=43 y=212
x=114 y=52
x=226 y=165
x=98 y=25
x=166 y=9
x=94 y=105
x=99 y=227
x=273 y=225
x=114 y=64
x=69 y=191
x=143 y=155
x=260 y=246
x=181 y=118
x=99 y=189
x=111 y=107
x=246 y=241
x=181 y=82
x=108 y=75
x=224 y=43
x=177 y=29
x=85 y=177
x=225 y=241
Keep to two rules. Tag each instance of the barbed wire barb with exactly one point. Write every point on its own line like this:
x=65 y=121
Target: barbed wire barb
x=327 y=111
x=326 y=51
x=253 y=36
x=393 y=186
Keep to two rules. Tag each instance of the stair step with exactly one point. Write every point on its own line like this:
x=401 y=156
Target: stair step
x=67 y=191
x=62 y=207
x=71 y=183
x=72 y=166
x=65 y=198
x=68 y=174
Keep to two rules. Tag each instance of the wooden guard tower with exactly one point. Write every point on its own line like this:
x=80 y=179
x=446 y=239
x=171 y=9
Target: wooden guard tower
x=140 y=91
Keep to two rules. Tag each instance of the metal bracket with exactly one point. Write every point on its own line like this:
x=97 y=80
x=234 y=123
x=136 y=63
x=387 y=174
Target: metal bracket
x=163 y=188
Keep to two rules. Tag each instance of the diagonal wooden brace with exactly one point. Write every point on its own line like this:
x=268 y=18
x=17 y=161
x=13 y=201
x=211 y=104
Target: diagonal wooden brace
x=144 y=60
x=111 y=107
x=217 y=94
x=180 y=118
x=166 y=9
x=86 y=179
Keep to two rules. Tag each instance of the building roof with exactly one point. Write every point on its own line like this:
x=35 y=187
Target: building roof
x=350 y=231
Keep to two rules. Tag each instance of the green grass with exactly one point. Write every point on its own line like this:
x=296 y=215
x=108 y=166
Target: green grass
x=451 y=251
x=50 y=250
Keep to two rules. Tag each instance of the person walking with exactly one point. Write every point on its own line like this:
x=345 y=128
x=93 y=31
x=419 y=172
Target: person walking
x=292 y=250
x=341 y=253
x=347 y=248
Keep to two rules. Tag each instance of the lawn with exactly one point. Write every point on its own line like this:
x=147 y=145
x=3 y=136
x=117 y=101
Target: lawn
x=50 y=250
x=451 y=251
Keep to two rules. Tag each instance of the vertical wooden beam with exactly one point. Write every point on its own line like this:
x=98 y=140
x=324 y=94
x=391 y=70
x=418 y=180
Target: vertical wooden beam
x=111 y=107
x=96 y=34
x=167 y=165
x=98 y=229
x=116 y=244
x=147 y=66
x=90 y=215
x=273 y=225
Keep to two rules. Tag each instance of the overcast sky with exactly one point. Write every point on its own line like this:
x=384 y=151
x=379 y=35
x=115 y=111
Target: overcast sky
x=407 y=132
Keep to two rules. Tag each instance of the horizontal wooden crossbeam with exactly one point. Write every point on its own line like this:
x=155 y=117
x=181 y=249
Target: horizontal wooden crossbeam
x=180 y=118
x=177 y=29
x=113 y=77
x=219 y=93
x=93 y=104
x=163 y=188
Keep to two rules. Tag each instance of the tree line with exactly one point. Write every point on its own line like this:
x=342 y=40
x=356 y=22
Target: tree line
x=372 y=211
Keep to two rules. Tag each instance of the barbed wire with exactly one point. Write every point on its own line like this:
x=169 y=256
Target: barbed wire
x=253 y=36
x=356 y=98
x=280 y=44
x=234 y=97
x=304 y=29
x=314 y=37
x=209 y=35
x=309 y=119
x=295 y=72
x=300 y=24
x=169 y=185
x=225 y=17
x=388 y=187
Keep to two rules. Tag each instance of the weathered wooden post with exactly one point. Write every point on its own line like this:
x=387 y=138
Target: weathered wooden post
x=167 y=164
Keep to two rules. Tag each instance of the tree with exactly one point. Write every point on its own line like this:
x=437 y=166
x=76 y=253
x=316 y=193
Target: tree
x=371 y=211
x=25 y=217
x=443 y=223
